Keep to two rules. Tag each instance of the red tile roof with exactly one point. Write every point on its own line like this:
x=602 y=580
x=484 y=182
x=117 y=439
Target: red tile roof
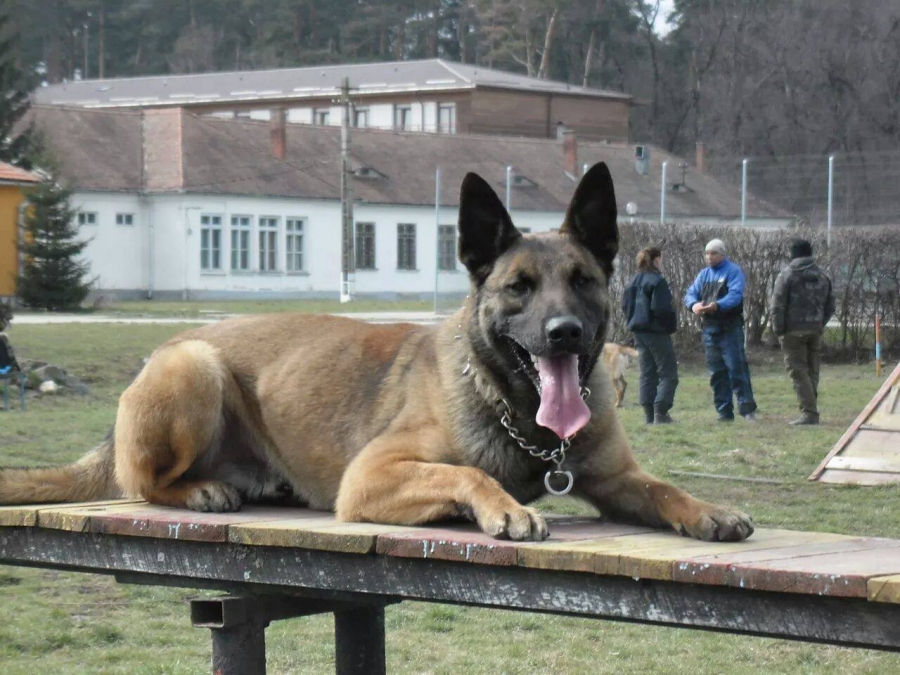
x=8 y=172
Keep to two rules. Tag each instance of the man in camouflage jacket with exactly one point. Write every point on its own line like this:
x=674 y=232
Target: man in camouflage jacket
x=802 y=304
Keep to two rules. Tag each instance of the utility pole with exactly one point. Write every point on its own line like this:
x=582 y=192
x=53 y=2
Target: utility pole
x=348 y=259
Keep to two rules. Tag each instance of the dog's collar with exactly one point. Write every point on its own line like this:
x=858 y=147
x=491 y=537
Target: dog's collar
x=506 y=413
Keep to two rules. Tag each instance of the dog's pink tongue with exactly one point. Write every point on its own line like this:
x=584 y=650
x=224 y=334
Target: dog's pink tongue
x=562 y=410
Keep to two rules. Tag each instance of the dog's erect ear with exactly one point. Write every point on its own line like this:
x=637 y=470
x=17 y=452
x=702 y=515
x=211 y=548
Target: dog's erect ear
x=485 y=228
x=591 y=216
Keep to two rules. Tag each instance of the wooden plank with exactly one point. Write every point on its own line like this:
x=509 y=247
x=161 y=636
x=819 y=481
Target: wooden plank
x=140 y=519
x=314 y=530
x=718 y=569
x=870 y=464
x=18 y=516
x=842 y=574
x=223 y=566
x=884 y=589
x=466 y=543
x=873 y=444
x=892 y=379
x=858 y=477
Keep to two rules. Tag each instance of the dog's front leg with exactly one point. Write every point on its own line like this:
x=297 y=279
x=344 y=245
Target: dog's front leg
x=616 y=485
x=403 y=479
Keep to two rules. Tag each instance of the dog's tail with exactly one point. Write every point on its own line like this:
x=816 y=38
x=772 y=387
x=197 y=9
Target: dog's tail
x=91 y=478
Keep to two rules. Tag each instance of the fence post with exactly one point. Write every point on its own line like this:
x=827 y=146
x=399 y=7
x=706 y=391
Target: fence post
x=662 y=195
x=744 y=192
x=830 y=198
x=437 y=232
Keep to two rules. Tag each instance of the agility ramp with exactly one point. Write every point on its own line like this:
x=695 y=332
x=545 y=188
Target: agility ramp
x=869 y=452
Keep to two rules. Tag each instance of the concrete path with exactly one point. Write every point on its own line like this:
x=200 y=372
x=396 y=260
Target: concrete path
x=372 y=317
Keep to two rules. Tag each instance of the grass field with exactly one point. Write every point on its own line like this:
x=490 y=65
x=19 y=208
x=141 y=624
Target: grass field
x=62 y=622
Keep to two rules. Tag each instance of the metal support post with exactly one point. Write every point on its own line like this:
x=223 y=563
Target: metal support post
x=744 y=192
x=662 y=194
x=830 y=198
x=359 y=641
x=238 y=625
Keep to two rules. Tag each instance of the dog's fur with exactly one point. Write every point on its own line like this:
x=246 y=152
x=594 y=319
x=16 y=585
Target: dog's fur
x=397 y=423
x=616 y=358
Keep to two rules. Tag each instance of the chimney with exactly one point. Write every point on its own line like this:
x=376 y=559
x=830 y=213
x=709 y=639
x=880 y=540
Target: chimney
x=277 y=134
x=570 y=151
x=162 y=136
x=700 y=160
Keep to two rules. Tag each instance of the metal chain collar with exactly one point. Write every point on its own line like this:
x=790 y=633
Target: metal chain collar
x=555 y=455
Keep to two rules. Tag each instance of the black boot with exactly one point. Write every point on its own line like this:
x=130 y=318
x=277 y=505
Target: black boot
x=648 y=414
x=662 y=415
x=805 y=419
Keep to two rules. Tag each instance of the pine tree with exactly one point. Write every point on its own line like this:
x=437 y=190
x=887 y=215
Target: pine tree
x=15 y=141
x=52 y=276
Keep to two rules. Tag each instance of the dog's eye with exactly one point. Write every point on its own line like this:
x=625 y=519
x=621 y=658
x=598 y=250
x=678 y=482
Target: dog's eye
x=519 y=286
x=579 y=280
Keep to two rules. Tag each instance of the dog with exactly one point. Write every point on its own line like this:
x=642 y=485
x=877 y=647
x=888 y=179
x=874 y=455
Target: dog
x=616 y=358
x=402 y=424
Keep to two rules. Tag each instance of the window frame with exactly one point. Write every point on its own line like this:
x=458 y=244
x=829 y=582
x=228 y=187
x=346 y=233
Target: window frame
x=403 y=111
x=268 y=242
x=121 y=217
x=291 y=237
x=246 y=232
x=87 y=218
x=451 y=127
x=365 y=232
x=447 y=248
x=406 y=247
x=212 y=232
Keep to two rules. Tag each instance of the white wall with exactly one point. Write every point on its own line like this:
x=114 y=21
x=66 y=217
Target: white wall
x=162 y=249
x=115 y=252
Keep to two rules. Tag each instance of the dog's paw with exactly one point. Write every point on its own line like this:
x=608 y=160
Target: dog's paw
x=719 y=524
x=520 y=523
x=214 y=496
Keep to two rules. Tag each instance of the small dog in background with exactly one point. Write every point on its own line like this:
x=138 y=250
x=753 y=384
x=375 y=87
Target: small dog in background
x=617 y=357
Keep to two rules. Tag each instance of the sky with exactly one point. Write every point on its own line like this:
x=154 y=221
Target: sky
x=665 y=8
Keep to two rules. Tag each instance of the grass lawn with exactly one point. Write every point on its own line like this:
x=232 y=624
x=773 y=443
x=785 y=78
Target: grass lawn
x=63 y=622
x=195 y=308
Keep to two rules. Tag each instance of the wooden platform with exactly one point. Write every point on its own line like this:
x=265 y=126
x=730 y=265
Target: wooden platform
x=869 y=452
x=799 y=585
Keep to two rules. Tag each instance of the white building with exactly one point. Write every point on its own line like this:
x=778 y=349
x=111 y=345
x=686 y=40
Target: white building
x=182 y=205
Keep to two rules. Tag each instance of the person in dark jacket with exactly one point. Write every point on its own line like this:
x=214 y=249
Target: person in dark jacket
x=802 y=304
x=650 y=315
x=717 y=297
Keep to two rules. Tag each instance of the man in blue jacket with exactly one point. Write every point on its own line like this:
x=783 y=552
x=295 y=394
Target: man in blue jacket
x=717 y=297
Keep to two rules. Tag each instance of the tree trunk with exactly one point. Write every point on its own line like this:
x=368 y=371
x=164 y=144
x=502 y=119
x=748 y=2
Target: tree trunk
x=589 y=57
x=101 y=42
x=548 y=45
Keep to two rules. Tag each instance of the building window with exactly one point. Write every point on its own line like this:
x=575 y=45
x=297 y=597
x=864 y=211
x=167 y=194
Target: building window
x=365 y=246
x=210 y=242
x=268 y=244
x=403 y=118
x=294 y=244
x=447 y=118
x=124 y=219
x=524 y=230
x=320 y=117
x=406 y=246
x=447 y=247
x=240 y=243
x=361 y=117
x=87 y=218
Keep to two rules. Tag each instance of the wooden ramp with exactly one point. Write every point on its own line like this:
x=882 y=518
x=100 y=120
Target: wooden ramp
x=869 y=452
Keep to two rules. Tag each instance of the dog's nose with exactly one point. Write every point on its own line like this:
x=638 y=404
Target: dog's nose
x=564 y=332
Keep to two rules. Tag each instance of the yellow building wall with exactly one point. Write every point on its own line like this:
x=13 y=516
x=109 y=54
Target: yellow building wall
x=11 y=198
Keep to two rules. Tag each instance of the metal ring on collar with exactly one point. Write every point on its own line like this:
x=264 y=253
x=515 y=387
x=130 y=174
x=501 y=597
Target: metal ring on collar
x=570 y=481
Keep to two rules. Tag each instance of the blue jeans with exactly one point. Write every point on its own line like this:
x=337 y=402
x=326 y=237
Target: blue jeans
x=728 y=370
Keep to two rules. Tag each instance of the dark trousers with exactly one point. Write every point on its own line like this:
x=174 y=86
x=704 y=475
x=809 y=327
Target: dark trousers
x=659 y=370
x=803 y=358
x=728 y=369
